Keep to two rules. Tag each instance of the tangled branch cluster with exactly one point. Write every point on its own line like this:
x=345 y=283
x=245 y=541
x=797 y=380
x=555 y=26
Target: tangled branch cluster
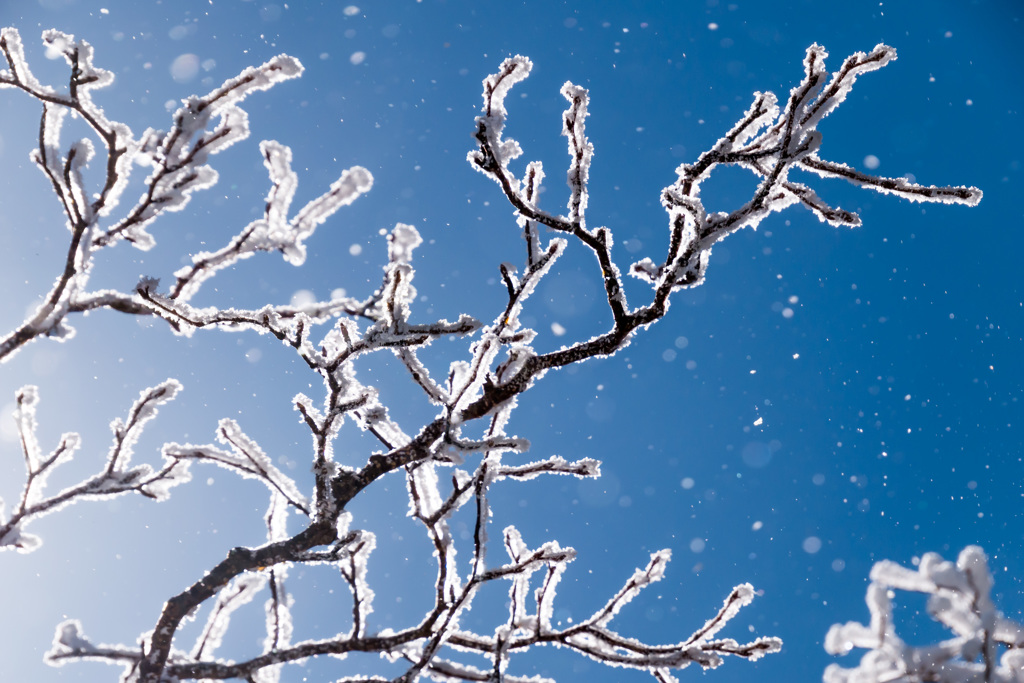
x=960 y=598
x=474 y=397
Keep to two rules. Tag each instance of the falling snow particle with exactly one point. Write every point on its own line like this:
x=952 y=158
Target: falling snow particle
x=270 y=12
x=812 y=544
x=303 y=297
x=351 y=11
x=557 y=329
x=697 y=545
x=757 y=454
x=357 y=57
x=687 y=483
x=871 y=162
x=185 y=67
x=355 y=249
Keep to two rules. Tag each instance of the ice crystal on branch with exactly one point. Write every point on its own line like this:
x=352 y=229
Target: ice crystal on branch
x=451 y=462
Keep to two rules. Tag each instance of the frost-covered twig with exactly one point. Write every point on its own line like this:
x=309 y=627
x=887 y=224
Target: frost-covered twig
x=593 y=637
x=790 y=140
x=202 y=127
x=960 y=599
x=117 y=477
x=247 y=459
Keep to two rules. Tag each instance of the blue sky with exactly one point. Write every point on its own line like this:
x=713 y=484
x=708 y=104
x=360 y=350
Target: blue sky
x=829 y=398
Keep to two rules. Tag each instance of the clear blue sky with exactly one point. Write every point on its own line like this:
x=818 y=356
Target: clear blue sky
x=829 y=398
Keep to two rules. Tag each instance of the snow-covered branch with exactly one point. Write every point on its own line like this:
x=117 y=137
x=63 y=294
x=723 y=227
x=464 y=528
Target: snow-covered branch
x=789 y=140
x=115 y=478
x=452 y=460
x=202 y=127
x=986 y=646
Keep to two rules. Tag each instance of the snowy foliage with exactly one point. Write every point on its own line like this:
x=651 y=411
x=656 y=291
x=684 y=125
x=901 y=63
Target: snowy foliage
x=450 y=463
x=985 y=645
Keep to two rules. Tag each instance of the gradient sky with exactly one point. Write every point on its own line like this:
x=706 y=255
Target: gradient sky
x=829 y=398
